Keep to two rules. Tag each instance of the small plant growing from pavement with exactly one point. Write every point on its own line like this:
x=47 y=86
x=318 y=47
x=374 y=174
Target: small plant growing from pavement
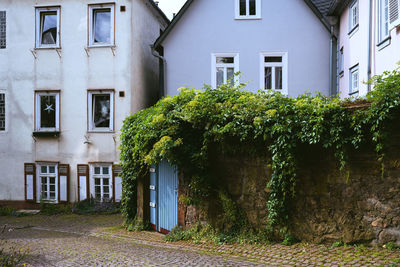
x=9 y=255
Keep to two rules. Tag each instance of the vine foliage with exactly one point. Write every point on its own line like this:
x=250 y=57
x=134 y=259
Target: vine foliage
x=183 y=129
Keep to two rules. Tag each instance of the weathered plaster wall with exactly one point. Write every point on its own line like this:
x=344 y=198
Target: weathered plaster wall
x=73 y=73
x=329 y=206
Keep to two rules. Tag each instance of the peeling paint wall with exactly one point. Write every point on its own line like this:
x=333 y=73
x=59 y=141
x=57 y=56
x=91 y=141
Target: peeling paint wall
x=131 y=69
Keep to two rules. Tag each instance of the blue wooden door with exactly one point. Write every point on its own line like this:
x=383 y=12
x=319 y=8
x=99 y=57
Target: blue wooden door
x=153 y=197
x=167 y=196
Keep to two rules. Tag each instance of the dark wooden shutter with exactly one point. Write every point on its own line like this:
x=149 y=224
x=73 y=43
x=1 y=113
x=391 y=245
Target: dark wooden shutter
x=83 y=182
x=117 y=183
x=63 y=183
x=30 y=181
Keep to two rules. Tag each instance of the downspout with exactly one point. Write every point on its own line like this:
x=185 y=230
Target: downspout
x=369 y=45
x=331 y=62
x=162 y=73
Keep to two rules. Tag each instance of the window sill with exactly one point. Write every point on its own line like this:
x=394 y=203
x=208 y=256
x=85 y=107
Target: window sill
x=46 y=134
x=385 y=42
x=102 y=131
x=102 y=46
x=47 y=48
x=353 y=31
x=248 y=18
x=341 y=74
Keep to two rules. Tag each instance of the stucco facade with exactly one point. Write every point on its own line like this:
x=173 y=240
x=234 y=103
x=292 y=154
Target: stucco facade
x=384 y=53
x=210 y=28
x=125 y=67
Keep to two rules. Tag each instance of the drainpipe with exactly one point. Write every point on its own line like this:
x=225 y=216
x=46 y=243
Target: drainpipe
x=162 y=73
x=332 y=50
x=369 y=44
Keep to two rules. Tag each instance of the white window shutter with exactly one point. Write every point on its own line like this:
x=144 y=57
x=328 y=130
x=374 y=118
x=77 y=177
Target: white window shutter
x=83 y=182
x=394 y=13
x=30 y=181
x=63 y=183
x=117 y=183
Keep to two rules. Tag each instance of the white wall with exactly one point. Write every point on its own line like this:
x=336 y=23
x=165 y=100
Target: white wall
x=209 y=26
x=73 y=73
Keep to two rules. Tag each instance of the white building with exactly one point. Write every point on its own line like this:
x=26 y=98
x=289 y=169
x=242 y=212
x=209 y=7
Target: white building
x=70 y=72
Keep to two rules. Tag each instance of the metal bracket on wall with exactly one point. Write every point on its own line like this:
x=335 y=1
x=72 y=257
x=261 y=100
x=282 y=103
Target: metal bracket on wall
x=87 y=51
x=58 y=52
x=34 y=53
x=113 y=50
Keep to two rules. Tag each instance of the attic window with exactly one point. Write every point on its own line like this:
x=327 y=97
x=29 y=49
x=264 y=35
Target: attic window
x=47 y=27
x=248 y=9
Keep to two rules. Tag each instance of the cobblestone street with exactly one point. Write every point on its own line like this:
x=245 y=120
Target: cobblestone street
x=73 y=240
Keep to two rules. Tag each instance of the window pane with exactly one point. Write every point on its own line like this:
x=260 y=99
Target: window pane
x=106 y=181
x=44 y=194
x=230 y=72
x=222 y=60
x=102 y=25
x=220 y=76
x=43 y=169
x=268 y=78
x=97 y=181
x=96 y=170
x=52 y=188
x=2 y=112
x=48 y=111
x=52 y=169
x=252 y=7
x=106 y=189
x=44 y=187
x=48 y=27
x=52 y=195
x=242 y=7
x=3 y=30
x=52 y=180
x=105 y=170
x=273 y=59
x=97 y=189
x=101 y=112
x=106 y=196
x=278 y=78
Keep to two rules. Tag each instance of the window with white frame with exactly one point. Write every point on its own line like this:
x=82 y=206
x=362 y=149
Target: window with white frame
x=101 y=182
x=101 y=25
x=48 y=182
x=3 y=31
x=274 y=71
x=47 y=111
x=248 y=9
x=48 y=27
x=353 y=15
x=354 y=81
x=101 y=111
x=224 y=66
x=2 y=111
x=383 y=20
x=341 y=61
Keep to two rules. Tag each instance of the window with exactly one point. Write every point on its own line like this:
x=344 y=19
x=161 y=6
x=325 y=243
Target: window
x=274 y=71
x=101 y=182
x=353 y=16
x=48 y=27
x=354 y=81
x=224 y=66
x=101 y=111
x=394 y=13
x=383 y=20
x=2 y=111
x=3 y=31
x=47 y=111
x=101 y=25
x=341 y=62
x=48 y=182
x=248 y=9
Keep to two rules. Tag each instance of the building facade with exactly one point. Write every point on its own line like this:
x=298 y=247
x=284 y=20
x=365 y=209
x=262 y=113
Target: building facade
x=369 y=42
x=70 y=72
x=279 y=45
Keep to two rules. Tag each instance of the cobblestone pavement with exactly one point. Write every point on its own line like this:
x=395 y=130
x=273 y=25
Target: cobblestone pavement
x=73 y=240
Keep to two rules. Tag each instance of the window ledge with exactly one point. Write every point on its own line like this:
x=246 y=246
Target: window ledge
x=353 y=93
x=101 y=132
x=46 y=134
x=353 y=31
x=101 y=46
x=47 y=48
x=341 y=74
x=248 y=18
x=385 y=42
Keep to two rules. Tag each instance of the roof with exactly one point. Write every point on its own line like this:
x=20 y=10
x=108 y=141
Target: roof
x=317 y=6
x=338 y=6
x=158 y=10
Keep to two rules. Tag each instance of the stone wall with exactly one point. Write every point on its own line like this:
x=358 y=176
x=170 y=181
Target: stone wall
x=357 y=205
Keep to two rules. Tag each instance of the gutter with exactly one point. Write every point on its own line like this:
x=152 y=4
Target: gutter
x=369 y=45
x=162 y=73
